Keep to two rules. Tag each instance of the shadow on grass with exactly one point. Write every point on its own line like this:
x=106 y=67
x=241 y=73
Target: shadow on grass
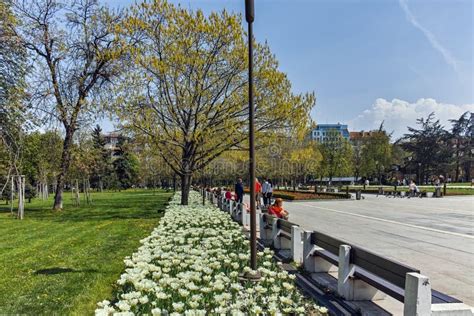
x=58 y=270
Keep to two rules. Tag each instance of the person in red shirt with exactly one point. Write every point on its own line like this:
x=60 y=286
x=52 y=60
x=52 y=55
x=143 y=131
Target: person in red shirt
x=228 y=194
x=277 y=209
x=258 y=190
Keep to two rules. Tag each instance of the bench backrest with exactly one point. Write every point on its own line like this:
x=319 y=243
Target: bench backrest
x=268 y=218
x=387 y=269
x=285 y=225
x=327 y=242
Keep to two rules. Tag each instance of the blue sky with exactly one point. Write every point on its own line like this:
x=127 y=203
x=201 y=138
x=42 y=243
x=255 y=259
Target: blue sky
x=368 y=60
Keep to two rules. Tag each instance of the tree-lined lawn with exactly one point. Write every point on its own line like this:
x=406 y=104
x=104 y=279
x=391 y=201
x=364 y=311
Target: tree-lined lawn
x=64 y=263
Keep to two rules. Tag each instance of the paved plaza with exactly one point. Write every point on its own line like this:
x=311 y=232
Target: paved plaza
x=433 y=235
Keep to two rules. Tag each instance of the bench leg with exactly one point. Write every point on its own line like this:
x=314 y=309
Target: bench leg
x=297 y=244
x=245 y=217
x=263 y=231
x=349 y=287
x=322 y=265
x=345 y=286
x=312 y=263
x=417 y=295
x=308 y=247
x=275 y=238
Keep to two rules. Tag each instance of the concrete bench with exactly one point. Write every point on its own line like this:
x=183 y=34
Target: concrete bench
x=363 y=275
x=266 y=228
x=283 y=236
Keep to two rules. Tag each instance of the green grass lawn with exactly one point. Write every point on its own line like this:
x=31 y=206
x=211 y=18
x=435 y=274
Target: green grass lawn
x=64 y=263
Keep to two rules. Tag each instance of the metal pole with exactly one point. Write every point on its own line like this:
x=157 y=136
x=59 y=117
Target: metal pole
x=249 y=16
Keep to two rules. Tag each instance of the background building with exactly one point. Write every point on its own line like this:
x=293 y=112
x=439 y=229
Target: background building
x=324 y=132
x=358 y=136
x=112 y=143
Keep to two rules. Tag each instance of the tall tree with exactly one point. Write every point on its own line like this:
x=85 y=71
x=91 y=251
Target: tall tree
x=125 y=165
x=72 y=51
x=304 y=159
x=462 y=134
x=193 y=70
x=337 y=155
x=102 y=159
x=428 y=146
x=376 y=154
x=42 y=156
x=357 y=157
x=12 y=71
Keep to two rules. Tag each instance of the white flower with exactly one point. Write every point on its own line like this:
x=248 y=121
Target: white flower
x=286 y=300
x=183 y=292
x=287 y=285
x=197 y=252
x=124 y=306
x=104 y=303
x=178 y=306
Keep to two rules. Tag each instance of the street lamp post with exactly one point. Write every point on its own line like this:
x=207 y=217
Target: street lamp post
x=249 y=17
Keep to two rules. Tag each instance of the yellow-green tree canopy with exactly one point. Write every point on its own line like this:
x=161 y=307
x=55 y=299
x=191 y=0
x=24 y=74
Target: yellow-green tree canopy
x=186 y=87
x=337 y=156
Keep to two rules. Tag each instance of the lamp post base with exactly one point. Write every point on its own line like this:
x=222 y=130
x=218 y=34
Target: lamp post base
x=252 y=276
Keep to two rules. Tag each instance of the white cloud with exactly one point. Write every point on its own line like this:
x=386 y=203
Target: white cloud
x=448 y=57
x=398 y=114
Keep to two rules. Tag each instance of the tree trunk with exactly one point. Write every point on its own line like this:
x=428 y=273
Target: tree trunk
x=65 y=162
x=185 y=187
x=467 y=170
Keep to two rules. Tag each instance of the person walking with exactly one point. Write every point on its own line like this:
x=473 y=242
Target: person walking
x=412 y=187
x=239 y=190
x=270 y=193
x=366 y=183
x=266 y=190
x=258 y=193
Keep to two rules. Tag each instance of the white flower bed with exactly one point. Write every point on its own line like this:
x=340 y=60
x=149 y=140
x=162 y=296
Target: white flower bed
x=190 y=265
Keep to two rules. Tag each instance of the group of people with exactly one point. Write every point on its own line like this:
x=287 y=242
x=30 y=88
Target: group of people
x=263 y=191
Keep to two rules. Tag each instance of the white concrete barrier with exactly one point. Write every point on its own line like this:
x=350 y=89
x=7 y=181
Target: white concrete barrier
x=417 y=295
x=312 y=263
x=348 y=286
x=297 y=244
x=418 y=300
x=263 y=231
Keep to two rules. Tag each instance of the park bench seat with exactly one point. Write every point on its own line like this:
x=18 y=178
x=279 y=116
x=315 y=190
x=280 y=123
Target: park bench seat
x=284 y=234
x=285 y=228
x=380 y=284
x=268 y=219
x=440 y=298
x=326 y=255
